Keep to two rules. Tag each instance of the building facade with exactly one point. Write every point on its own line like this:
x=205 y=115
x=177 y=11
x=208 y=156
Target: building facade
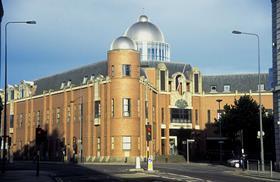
x=276 y=73
x=100 y=111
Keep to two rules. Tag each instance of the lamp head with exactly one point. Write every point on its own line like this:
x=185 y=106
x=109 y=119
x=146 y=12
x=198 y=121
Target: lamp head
x=31 y=22
x=219 y=100
x=236 y=32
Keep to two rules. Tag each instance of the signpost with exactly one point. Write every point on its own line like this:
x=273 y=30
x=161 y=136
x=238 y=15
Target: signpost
x=188 y=155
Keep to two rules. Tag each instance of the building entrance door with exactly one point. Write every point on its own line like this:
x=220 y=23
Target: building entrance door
x=173 y=145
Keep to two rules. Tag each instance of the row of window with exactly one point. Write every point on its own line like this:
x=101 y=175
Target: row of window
x=180 y=115
x=227 y=88
x=126 y=70
x=84 y=81
x=126 y=143
x=126 y=103
x=21 y=94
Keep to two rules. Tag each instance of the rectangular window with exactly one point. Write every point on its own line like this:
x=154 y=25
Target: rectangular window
x=112 y=105
x=162 y=80
x=11 y=121
x=196 y=87
x=68 y=114
x=162 y=115
x=196 y=117
x=162 y=132
x=98 y=143
x=58 y=115
x=20 y=120
x=97 y=108
x=126 y=143
x=38 y=118
x=226 y=88
x=209 y=116
x=22 y=93
x=113 y=70
x=126 y=107
x=126 y=70
x=112 y=143
x=12 y=94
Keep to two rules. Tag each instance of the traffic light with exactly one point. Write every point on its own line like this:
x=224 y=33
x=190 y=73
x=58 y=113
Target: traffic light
x=148 y=132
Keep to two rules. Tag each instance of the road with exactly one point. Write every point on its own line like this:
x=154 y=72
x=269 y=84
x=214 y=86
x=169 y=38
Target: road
x=121 y=172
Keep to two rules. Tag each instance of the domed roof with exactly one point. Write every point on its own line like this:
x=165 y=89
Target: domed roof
x=123 y=42
x=144 y=30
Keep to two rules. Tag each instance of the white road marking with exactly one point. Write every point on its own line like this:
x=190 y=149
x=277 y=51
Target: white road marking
x=179 y=177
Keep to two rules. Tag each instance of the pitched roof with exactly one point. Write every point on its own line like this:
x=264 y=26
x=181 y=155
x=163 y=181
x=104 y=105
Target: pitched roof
x=240 y=82
x=76 y=76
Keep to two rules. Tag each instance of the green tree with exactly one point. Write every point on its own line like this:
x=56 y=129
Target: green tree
x=240 y=123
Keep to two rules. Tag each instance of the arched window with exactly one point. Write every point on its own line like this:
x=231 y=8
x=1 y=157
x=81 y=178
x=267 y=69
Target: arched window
x=179 y=84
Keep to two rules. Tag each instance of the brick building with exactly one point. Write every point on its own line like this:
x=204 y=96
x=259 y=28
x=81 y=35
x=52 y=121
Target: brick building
x=104 y=107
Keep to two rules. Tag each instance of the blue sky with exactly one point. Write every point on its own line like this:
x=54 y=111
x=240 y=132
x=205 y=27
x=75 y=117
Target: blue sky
x=71 y=33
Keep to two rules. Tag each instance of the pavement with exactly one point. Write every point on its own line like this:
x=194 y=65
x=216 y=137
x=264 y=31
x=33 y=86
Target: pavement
x=267 y=175
x=26 y=175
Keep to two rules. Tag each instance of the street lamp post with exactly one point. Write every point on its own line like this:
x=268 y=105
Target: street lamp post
x=220 y=127
x=259 y=89
x=6 y=86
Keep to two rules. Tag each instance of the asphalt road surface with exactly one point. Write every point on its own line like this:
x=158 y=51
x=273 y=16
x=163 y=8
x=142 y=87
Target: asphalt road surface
x=63 y=172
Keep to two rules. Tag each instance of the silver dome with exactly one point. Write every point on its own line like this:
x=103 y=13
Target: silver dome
x=144 y=30
x=123 y=42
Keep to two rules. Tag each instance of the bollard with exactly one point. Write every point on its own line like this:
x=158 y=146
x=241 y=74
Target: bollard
x=150 y=164
x=248 y=168
x=271 y=169
x=138 y=166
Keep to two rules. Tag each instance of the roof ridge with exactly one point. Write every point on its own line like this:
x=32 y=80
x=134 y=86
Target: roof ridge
x=71 y=70
x=236 y=74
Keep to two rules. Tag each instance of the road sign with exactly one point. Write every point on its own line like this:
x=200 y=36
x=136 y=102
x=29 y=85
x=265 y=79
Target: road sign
x=259 y=134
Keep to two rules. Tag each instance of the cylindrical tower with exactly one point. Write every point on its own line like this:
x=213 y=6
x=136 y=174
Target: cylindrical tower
x=124 y=71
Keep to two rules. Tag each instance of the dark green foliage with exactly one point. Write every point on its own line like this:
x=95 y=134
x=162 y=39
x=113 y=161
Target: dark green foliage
x=243 y=117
